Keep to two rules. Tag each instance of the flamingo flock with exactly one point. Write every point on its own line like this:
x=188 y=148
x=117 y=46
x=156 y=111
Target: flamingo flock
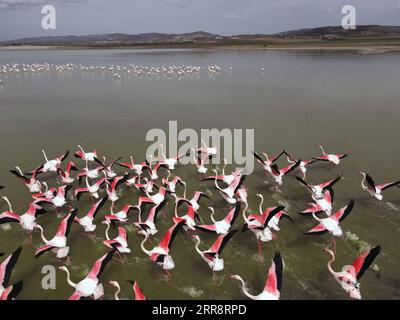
x=156 y=186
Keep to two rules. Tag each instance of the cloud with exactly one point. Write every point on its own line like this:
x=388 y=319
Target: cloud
x=23 y=4
x=236 y=16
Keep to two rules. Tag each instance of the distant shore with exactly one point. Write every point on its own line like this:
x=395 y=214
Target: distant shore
x=371 y=48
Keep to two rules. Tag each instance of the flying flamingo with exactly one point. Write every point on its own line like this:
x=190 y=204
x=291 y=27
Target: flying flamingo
x=149 y=226
x=350 y=275
x=153 y=170
x=331 y=224
x=66 y=175
x=258 y=224
x=49 y=193
x=169 y=162
x=200 y=161
x=120 y=242
x=229 y=192
x=86 y=156
x=154 y=199
x=373 y=189
x=108 y=169
x=31 y=183
x=91 y=189
x=137 y=168
x=222 y=226
x=58 y=244
x=303 y=164
x=90 y=285
x=90 y=173
x=139 y=296
x=278 y=174
x=190 y=216
x=120 y=216
x=273 y=285
x=228 y=179
x=266 y=164
x=334 y=158
x=318 y=190
x=212 y=255
x=160 y=253
x=323 y=204
x=171 y=184
x=111 y=188
x=54 y=164
x=87 y=221
x=6 y=268
x=59 y=200
x=27 y=220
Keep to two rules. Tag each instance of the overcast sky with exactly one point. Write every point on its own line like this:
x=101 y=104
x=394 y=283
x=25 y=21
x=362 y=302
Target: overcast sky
x=22 y=18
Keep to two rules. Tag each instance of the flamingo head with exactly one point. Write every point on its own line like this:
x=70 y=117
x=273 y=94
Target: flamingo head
x=235 y=277
x=259 y=195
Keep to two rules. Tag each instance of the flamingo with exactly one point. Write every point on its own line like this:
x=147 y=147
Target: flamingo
x=160 y=253
x=59 y=200
x=266 y=164
x=194 y=201
x=120 y=242
x=108 y=169
x=209 y=151
x=190 y=216
x=31 y=183
x=58 y=244
x=87 y=156
x=27 y=220
x=137 y=168
x=90 y=173
x=87 y=221
x=258 y=224
x=228 y=179
x=323 y=204
x=373 y=189
x=149 y=226
x=66 y=175
x=153 y=170
x=90 y=285
x=120 y=216
x=303 y=164
x=154 y=199
x=6 y=268
x=139 y=296
x=169 y=162
x=273 y=285
x=222 y=226
x=229 y=192
x=200 y=161
x=173 y=183
x=91 y=189
x=331 y=224
x=111 y=188
x=334 y=158
x=54 y=164
x=49 y=193
x=318 y=189
x=212 y=255
x=278 y=174
x=350 y=275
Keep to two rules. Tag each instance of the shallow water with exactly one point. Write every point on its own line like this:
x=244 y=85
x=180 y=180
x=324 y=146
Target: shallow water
x=345 y=101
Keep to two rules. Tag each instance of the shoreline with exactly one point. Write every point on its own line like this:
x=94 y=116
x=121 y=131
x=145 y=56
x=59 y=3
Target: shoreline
x=366 y=49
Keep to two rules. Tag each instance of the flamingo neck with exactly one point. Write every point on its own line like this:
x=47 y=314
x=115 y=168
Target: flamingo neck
x=42 y=233
x=322 y=149
x=363 y=181
x=132 y=161
x=315 y=217
x=44 y=154
x=260 y=206
x=244 y=213
x=223 y=168
x=197 y=247
x=244 y=290
x=142 y=245
x=108 y=228
x=117 y=292
x=212 y=215
x=72 y=284
x=19 y=170
x=329 y=264
x=8 y=203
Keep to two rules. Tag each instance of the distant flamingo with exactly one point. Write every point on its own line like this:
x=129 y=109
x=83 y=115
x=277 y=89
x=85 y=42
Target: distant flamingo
x=108 y=169
x=266 y=164
x=318 y=190
x=54 y=164
x=303 y=164
x=273 y=285
x=86 y=156
x=66 y=175
x=149 y=225
x=31 y=183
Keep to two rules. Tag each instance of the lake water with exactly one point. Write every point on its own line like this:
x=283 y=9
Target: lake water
x=345 y=101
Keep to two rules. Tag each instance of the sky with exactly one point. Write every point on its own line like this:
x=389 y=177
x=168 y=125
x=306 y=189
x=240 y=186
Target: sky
x=22 y=18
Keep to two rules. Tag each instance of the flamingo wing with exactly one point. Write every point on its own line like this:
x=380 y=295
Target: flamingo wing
x=43 y=249
x=274 y=280
x=363 y=261
x=319 y=229
x=170 y=235
x=7 y=266
x=330 y=183
x=344 y=212
x=9 y=216
x=96 y=207
x=100 y=264
x=258 y=158
x=211 y=228
x=385 y=186
x=233 y=214
x=11 y=292
x=137 y=291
